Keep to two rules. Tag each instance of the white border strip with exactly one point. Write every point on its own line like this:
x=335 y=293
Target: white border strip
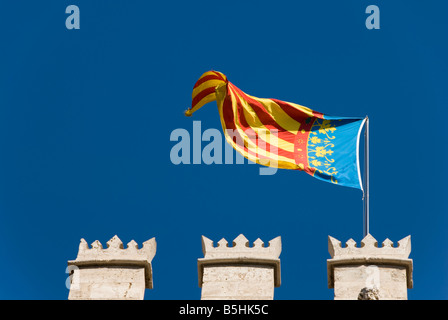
x=357 y=153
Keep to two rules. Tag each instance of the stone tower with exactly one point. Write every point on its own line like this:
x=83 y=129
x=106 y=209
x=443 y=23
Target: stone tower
x=369 y=272
x=239 y=272
x=113 y=273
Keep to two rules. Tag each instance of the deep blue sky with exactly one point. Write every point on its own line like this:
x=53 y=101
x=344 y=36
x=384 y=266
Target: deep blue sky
x=86 y=117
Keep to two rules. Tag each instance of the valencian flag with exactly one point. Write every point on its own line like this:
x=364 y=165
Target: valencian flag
x=283 y=134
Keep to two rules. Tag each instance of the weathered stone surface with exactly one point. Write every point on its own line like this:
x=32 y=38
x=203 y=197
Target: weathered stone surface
x=240 y=271
x=356 y=272
x=112 y=273
x=238 y=282
x=110 y=283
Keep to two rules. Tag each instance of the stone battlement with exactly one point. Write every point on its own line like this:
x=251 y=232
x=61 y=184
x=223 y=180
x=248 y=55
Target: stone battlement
x=241 y=248
x=116 y=255
x=369 y=247
x=239 y=271
x=352 y=266
x=241 y=253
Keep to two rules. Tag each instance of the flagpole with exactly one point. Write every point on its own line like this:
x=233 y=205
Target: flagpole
x=366 y=178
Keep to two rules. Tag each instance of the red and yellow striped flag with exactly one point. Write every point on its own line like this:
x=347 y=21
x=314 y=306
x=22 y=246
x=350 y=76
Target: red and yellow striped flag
x=252 y=121
x=282 y=134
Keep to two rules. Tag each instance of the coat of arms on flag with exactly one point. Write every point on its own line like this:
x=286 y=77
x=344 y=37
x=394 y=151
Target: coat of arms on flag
x=286 y=135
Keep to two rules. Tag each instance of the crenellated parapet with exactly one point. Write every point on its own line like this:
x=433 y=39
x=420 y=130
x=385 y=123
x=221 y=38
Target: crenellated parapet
x=116 y=250
x=239 y=271
x=241 y=248
x=110 y=273
x=354 y=271
x=369 y=247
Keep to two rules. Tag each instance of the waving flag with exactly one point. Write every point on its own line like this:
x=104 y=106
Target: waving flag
x=283 y=134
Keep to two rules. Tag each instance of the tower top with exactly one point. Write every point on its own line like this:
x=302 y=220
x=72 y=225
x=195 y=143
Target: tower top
x=369 y=253
x=369 y=247
x=115 y=254
x=242 y=248
x=241 y=253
